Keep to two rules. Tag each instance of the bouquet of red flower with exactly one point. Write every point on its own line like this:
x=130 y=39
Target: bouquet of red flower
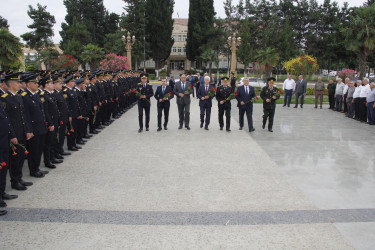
x=137 y=93
x=3 y=164
x=231 y=96
x=167 y=95
x=14 y=148
x=211 y=92
x=188 y=89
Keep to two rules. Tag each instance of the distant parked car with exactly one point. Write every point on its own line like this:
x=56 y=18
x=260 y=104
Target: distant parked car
x=333 y=73
x=255 y=82
x=325 y=72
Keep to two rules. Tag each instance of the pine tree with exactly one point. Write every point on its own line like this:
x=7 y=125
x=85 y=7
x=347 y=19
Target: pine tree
x=3 y=23
x=40 y=36
x=159 y=17
x=10 y=49
x=79 y=36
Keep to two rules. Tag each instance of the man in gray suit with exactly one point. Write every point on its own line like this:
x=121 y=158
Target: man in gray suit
x=183 y=90
x=301 y=86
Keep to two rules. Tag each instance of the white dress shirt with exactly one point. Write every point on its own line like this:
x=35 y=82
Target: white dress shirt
x=365 y=91
x=357 y=91
x=346 y=89
x=289 y=84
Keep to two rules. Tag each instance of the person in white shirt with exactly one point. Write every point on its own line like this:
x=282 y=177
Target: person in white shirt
x=365 y=91
x=289 y=86
x=339 y=94
x=356 y=99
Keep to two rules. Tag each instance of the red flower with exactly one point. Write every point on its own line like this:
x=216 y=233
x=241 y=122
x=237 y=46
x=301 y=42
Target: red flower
x=26 y=152
x=135 y=91
x=235 y=93
x=216 y=90
x=61 y=122
x=191 y=86
x=170 y=93
x=257 y=98
x=280 y=91
x=3 y=164
x=14 y=153
x=14 y=148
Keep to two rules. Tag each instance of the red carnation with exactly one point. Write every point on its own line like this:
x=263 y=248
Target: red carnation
x=257 y=98
x=14 y=153
x=216 y=90
x=235 y=93
x=135 y=91
x=3 y=164
x=280 y=91
x=191 y=86
x=26 y=152
x=61 y=122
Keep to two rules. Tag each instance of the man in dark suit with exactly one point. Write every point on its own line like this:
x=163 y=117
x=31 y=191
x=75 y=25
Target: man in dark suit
x=224 y=104
x=162 y=95
x=182 y=90
x=20 y=130
x=205 y=101
x=245 y=97
x=269 y=95
x=144 y=102
x=35 y=111
x=172 y=82
x=301 y=86
x=4 y=158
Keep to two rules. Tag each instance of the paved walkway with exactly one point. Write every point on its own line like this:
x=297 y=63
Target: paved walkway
x=309 y=185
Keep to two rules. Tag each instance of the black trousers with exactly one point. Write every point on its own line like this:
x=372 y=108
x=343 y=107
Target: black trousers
x=35 y=147
x=4 y=157
x=16 y=162
x=300 y=95
x=345 y=104
x=61 y=133
x=163 y=106
x=248 y=109
x=268 y=114
x=205 y=111
x=146 y=108
x=72 y=130
x=184 y=114
x=48 y=152
x=224 y=110
x=362 y=109
x=357 y=108
x=331 y=98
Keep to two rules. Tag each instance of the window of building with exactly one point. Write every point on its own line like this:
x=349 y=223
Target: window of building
x=179 y=38
x=174 y=50
x=179 y=50
x=174 y=37
x=184 y=38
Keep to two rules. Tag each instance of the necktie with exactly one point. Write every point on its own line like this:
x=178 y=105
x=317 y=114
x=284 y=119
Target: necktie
x=163 y=90
x=247 y=91
x=183 y=87
x=206 y=90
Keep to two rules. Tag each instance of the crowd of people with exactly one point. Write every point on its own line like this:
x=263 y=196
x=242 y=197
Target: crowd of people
x=356 y=99
x=39 y=111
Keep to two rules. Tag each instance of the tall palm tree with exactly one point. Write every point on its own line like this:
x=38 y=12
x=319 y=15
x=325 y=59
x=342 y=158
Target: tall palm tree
x=209 y=56
x=10 y=49
x=360 y=35
x=92 y=55
x=268 y=57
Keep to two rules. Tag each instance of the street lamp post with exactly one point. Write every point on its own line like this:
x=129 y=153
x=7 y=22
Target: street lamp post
x=234 y=43
x=128 y=41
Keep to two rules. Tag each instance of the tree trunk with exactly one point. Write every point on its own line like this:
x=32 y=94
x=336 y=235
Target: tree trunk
x=362 y=64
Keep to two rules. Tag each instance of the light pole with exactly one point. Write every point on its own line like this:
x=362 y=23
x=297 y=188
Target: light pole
x=234 y=43
x=144 y=41
x=128 y=41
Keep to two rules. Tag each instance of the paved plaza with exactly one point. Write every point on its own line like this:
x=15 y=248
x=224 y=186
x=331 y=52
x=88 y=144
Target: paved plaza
x=308 y=185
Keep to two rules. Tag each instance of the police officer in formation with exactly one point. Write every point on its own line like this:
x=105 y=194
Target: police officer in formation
x=269 y=95
x=40 y=109
x=224 y=103
x=144 y=92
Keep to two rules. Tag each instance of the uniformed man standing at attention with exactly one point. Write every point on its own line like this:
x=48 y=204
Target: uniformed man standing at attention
x=269 y=95
x=144 y=93
x=224 y=103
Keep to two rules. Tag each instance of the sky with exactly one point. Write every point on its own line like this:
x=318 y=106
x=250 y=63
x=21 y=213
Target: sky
x=15 y=11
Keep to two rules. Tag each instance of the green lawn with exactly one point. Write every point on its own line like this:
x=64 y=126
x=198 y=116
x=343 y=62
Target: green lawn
x=307 y=100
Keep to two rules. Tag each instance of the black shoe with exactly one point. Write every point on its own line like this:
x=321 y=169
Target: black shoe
x=201 y=125
x=50 y=165
x=26 y=183
x=165 y=128
x=263 y=126
x=77 y=147
x=180 y=127
x=228 y=130
x=3 y=203
x=18 y=186
x=65 y=153
x=251 y=130
x=159 y=129
x=140 y=130
x=188 y=128
x=221 y=128
x=284 y=105
x=73 y=149
x=56 y=161
x=295 y=107
x=9 y=196
x=301 y=107
x=80 y=142
x=206 y=128
x=43 y=171
x=3 y=212
x=100 y=127
x=37 y=174
x=59 y=157
x=147 y=129
x=87 y=136
x=241 y=128
x=94 y=132
x=270 y=130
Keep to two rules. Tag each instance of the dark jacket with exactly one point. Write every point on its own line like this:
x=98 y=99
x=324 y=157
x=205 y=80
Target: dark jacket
x=243 y=97
x=268 y=93
x=159 y=93
x=202 y=93
x=35 y=112
x=222 y=94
